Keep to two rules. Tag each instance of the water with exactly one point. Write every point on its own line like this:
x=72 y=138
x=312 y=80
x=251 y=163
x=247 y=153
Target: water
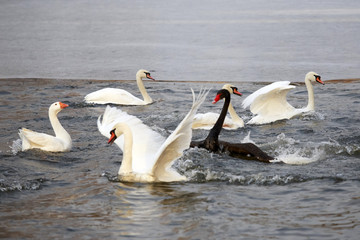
x=77 y=195
x=48 y=46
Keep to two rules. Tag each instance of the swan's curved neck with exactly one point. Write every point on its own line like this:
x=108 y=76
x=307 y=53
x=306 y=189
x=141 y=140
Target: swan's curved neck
x=215 y=131
x=59 y=130
x=126 y=164
x=147 y=98
x=233 y=114
x=311 y=101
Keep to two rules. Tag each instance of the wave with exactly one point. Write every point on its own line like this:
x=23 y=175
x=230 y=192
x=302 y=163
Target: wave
x=292 y=151
x=260 y=179
x=20 y=185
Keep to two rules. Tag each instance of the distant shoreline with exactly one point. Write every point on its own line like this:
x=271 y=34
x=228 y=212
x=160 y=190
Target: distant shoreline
x=350 y=80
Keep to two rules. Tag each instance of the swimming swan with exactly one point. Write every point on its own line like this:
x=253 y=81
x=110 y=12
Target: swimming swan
x=147 y=156
x=120 y=96
x=60 y=143
x=269 y=103
x=241 y=150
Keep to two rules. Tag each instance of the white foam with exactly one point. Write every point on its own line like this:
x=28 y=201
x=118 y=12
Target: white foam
x=247 y=139
x=291 y=151
x=297 y=159
x=16 y=146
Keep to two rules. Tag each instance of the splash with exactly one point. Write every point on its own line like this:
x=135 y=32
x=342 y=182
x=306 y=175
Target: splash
x=247 y=139
x=310 y=116
x=20 y=185
x=297 y=157
x=291 y=151
x=16 y=146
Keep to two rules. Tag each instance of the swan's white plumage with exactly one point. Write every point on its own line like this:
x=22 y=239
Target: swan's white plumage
x=269 y=103
x=121 y=96
x=61 y=142
x=114 y=96
x=144 y=137
x=207 y=120
x=149 y=147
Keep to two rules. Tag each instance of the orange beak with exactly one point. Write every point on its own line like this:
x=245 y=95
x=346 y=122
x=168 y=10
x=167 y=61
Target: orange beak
x=150 y=77
x=318 y=79
x=63 y=105
x=112 y=137
x=237 y=92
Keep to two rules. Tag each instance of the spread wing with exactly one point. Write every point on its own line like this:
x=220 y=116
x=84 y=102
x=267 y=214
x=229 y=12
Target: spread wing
x=269 y=100
x=176 y=143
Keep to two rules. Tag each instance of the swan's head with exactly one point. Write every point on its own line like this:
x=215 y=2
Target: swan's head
x=232 y=89
x=118 y=130
x=223 y=93
x=144 y=74
x=313 y=77
x=57 y=106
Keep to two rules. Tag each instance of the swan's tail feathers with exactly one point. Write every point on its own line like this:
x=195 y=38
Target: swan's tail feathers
x=90 y=98
x=25 y=144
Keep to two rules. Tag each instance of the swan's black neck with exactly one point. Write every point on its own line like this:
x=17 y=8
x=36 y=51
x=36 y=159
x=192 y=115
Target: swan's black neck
x=212 y=139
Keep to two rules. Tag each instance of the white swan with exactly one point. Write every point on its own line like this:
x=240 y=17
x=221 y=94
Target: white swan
x=207 y=120
x=147 y=156
x=269 y=103
x=120 y=96
x=60 y=143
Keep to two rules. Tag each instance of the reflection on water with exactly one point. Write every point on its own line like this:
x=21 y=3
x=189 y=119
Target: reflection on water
x=147 y=207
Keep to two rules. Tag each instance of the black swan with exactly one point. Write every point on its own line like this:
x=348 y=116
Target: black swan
x=240 y=150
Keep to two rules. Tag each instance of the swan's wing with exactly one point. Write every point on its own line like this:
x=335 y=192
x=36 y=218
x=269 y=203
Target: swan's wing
x=113 y=95
x=111 y=116
x=263 y=91
x=43 y=141
x=269 y=100
x=176 y=143
x=146 y=142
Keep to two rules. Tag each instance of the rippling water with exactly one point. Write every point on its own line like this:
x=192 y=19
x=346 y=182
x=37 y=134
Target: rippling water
x=77 y=194
x=46 y=47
